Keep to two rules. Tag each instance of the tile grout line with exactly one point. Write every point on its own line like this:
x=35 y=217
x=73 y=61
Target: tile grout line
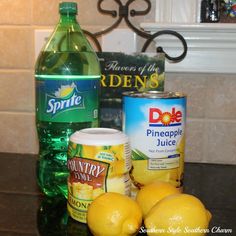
x=17 y=112
x=230 y=120
x=13 y=70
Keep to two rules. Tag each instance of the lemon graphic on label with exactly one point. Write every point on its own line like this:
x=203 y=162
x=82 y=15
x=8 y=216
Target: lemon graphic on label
x=66 y=91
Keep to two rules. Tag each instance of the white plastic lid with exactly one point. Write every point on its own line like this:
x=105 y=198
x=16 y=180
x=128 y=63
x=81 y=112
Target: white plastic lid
x=99 y=137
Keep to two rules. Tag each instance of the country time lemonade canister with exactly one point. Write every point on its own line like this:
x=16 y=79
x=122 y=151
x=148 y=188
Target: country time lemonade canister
x=99 y=160
x=155 y=124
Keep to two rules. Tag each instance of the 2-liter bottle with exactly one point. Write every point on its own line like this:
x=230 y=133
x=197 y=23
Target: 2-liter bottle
x=67 y=75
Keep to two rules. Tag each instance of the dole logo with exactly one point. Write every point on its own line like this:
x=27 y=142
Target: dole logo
x=159 y=118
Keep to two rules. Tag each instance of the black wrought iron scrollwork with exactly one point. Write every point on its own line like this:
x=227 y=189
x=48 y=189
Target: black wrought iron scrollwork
x=160 y=49
x=124 y=13
x=95 y=40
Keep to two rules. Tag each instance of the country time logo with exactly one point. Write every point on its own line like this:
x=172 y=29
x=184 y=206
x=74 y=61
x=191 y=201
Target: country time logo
x=65 y=98
x=158 y=118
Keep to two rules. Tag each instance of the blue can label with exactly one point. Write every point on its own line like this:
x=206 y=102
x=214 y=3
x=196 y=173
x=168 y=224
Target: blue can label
x=67 y=100
x=156 y=128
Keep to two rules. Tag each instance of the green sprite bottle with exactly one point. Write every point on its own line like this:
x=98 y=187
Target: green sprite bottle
x=67 y=75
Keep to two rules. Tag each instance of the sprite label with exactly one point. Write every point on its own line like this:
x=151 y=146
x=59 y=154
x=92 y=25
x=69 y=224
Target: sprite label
x=67 y=98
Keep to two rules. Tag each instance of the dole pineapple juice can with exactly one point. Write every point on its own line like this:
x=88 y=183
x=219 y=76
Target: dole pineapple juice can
x=99 y=161
x=155 y=124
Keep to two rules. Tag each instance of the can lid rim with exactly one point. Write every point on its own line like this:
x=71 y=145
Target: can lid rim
x=155 y=94
x=99 y=136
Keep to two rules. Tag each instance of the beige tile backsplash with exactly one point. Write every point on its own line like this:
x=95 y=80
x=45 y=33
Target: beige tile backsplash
x=221 y=100
x=16 y=47
x=17 y=91
x=17 y=130
x=15 y=12
x=194 y=85
x=44 y=12
x=194 y=140
x=211 y=125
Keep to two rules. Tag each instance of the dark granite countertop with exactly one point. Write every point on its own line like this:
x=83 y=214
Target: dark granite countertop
x=26 y=212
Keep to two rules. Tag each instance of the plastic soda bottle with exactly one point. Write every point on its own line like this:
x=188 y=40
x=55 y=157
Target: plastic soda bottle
x=67 y=75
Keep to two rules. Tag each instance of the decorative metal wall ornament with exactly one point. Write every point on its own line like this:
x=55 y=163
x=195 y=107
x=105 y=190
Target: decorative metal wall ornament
x=124 y=13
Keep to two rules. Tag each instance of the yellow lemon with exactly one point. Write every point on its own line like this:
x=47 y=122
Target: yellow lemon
x=114 y=214
x=178 y=214
x=150 y=194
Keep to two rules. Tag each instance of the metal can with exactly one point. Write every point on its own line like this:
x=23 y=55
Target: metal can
x=99 y=160
x=155 y=124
